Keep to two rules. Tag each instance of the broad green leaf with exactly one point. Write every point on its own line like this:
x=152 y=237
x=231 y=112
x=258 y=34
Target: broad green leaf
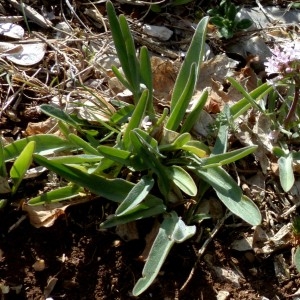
x=172 y=230
x=46 y=144
x=183 y=180
x=230 y=194
x=58 y=195
x=136 y=195
x=85 y=146
x=194 y=56
x=297 y=258
x=150 y=207
x=228 y=157
x=286 y=173
x=115 y=154
x=21 y=165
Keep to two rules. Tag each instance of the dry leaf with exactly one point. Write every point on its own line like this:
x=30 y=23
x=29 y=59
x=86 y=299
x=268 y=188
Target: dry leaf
x=11 y=30
x=29 y=55
x=44 y=215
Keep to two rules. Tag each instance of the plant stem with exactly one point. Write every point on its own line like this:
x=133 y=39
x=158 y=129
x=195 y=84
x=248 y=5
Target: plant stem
x=293 y=108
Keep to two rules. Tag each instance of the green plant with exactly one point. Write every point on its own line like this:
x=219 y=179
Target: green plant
x=167 y=165
x=224 y=17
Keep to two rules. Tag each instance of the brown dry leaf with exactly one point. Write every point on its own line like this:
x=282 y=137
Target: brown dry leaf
x=127 y=231
x=40 y=127
x=44 y=215
x=213 y=77
x=164 y=74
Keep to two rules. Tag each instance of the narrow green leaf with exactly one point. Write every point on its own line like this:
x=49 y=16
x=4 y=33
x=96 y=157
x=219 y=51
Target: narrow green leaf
x=179 y=109
x=115 y=154
x=118 y=38
x=77 y=159
x=46 y=144
x=136 y=195
x=21 y=165
x=122 y=114
x=286 y=173
x=59 y=114
x=228 y=157
x=194 y=114
x=85 y=146
x=146 y=73
x=172 y=230
x=148 y=208
x=194 y=56
x=58 y=195
x=244 y=104
x=112 y=189
x=136 y=119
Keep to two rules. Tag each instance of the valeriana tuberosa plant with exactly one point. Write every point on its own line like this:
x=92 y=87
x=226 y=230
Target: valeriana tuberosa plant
x=285 y=62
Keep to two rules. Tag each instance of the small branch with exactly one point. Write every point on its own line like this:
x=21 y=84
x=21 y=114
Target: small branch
x=293 y=108
x=203 y=248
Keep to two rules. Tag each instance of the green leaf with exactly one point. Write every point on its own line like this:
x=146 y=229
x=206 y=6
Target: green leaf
x=136 y=195
x=58 y=195
x=244 y=24
x=46 y=144
x=59 y=114
x=85 y=146
x=243 y=105
x=228 y=157
x=21 y=165
x=230 y=194
x=193 y=116
x=150 y=207
x=115 y=154
x=122 y=114
x=179 y=109
x=297 y=258
x=112 y=189
x=136 y=119
x=147 y=155
x=183 y=180
x=172 y=230
x=194 y=56
x=279 y=152
x=77 y=159
x=286 y=173
x=146 y=74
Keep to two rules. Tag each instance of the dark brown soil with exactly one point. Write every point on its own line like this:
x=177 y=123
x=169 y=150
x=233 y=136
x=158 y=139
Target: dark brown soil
x=92 y=264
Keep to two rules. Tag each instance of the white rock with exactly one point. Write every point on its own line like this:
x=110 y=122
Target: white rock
x=160 y=32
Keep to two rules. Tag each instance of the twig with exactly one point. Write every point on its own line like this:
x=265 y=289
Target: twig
x=203 y=248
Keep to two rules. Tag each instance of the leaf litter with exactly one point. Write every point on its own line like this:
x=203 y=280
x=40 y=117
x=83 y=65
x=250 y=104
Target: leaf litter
x=62 y=57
